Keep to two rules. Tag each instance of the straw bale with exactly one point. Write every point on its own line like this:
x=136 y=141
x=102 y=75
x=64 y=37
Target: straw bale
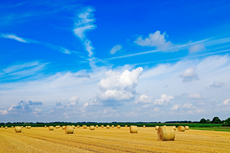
x=78 y=126
x=156 y=127
x=143 y=126
x=28 y=127
x=181 y=128
x=107 y=126
x=84 y=126
x=69 y=130
x=118 y=126
x=186 y=127
x=166 y=133
x=96 y=126
x=174 y=127
x=58 y=126
x=51 y=128
x=92 y=127
x=102 y=126
x=12 y=127
x=73 y=126
x=133 y=129
x=63 y=127
x=112 y=126
x=6 y=127
x=18 y=129
x=126 y=125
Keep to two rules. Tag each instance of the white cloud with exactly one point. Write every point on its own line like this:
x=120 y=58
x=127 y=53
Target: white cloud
x=196 y=48
x=115 y=49
x=164 y=100
x=119 y=86
x=187 y=105
x=85 y=22
x=156 y=109
x=144 y=99
x=217 y=84
x=195 y=96
x=4 y=112
x=73 y=101
x=189 y=74
x=155 y=40
x=175 y=107
x=226 y=102
x=14 y=37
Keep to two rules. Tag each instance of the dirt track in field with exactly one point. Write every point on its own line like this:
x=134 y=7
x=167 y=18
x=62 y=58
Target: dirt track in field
x=111 y=140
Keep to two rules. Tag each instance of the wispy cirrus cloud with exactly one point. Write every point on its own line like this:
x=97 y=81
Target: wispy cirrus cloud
x=14 y=37
x=85 y=22
x=192 y=47
x=27 y=40
x=115 y=49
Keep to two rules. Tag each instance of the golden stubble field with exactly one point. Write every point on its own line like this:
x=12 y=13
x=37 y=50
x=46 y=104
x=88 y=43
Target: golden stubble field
x=111 y=140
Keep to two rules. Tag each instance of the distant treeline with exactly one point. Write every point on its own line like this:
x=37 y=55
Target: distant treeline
x=202 y=123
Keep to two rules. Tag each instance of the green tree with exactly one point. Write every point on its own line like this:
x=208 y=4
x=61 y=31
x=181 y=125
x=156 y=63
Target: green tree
x=216 y=120
x=208 y=121
x=203 y=120
x=227 y=121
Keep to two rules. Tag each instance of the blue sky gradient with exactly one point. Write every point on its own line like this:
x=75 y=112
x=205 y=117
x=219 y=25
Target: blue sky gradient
x=114 y=60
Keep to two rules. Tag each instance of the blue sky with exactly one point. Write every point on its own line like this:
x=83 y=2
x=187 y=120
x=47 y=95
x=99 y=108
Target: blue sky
x=114 y=61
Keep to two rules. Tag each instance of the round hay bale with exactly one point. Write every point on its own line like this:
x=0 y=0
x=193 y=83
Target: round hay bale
x=96 y=126
x=78 y=126
x=102 y=126
x=84 y=127
x=118 y=126
x=69 y=130
x=174 y=127
x=51 y=128
x=12 y=127
x=126 y=125
x=92 y=127
x=107 y=126
x=45 y=126
x=2 y=127
x=181 y=128
x=143 y=126
x=18 y=129
x=166 y=133
x=6 y=127
x=57 y=126
x=186 y=127
x=112 y=126
x=133 y=129
x=63 y=127
x=156 y=127
x=73 y=126
x=28 y=127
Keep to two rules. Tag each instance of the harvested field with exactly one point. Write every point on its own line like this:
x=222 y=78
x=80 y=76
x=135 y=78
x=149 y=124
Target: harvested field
x=113 y=140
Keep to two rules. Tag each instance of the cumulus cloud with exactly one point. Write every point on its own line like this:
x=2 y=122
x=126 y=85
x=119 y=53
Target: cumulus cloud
x=21 y=107
x=196 y=48
x=194 y=96
x=144 y=99
x=217 y=84
x=189 y=74
x=187 y=106
x=155 y=40
x=115 y=49
x=85 y=22
x=175 y=107
x=73 y=101
x=226 y=102
x=164 y=100
x=119 y=86
x=14 y=37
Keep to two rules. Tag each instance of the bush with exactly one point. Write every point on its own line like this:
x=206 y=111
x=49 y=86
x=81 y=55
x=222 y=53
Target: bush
x=216 y=120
